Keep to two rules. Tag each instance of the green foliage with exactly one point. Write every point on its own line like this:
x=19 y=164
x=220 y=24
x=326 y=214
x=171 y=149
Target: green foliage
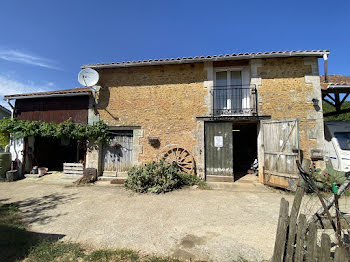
x=155 y=177
x=113 y=255
x=325 y=178
x=191 y=180
x=342 y=117
x=47 y=251
x=158 y=177
x=67 y=129
x=4 y=138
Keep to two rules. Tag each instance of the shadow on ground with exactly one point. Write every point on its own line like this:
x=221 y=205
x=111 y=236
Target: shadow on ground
x=15 y=241
x=35 y=210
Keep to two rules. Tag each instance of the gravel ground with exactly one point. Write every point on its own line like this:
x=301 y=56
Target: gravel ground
x=211 y=225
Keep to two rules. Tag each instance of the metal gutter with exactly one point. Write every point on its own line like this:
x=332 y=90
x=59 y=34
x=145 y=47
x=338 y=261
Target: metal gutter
x=337 y=86
x=47 y=95
x=185 y=60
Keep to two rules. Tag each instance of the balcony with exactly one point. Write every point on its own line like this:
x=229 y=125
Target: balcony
x=234 y=100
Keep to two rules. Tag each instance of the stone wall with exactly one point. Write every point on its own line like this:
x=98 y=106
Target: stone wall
x=163 y=100
x=287 y=88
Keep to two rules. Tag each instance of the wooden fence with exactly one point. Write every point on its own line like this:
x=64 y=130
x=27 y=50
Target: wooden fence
x=296 y=240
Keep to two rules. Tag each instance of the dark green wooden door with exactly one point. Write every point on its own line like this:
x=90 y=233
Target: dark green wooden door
x=218 y=149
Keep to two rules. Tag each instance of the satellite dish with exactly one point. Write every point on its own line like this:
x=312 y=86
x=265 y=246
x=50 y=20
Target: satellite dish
x=88 y=77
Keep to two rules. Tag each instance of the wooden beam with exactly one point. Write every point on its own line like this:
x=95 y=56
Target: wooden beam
x=345 y=97
x=337 y=112
x=337 y=102
x=329 y=102
x=327 y=95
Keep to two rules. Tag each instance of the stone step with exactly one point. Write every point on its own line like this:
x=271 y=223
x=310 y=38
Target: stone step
x=114 y=179
x=114 y=174
x=237 y=186
x=219 y=179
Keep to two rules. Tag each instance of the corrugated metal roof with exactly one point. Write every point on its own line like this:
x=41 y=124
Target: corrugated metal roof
x=75 y=91
x=183 y=60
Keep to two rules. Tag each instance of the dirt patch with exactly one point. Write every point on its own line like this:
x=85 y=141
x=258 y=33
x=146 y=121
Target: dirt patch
x=198 y=224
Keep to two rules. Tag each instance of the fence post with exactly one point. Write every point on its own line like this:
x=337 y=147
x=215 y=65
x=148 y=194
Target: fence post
x=281 y=234
x=311 y=243
x=299 y=249
x=325 y=248
x=293 y=220
x=340 y=255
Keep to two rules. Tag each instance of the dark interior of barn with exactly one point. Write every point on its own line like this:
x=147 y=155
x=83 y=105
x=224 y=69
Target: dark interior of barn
x=53 y=152
x=244 y=139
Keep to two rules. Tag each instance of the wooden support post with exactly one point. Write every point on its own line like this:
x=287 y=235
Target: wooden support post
x=311 y=243
x=299 y=249
x=337 y=102
x=281 y=234
x=293 y=220
x=325 y=255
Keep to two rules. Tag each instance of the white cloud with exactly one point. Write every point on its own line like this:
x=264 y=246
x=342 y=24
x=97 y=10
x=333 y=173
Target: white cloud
x=10 y=86
x=25 y=58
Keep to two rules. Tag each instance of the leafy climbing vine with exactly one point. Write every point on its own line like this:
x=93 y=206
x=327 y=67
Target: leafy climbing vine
x=66 y=129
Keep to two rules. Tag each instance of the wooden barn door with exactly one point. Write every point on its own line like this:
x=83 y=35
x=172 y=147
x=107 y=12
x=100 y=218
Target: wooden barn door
x=218 y=151
x=281 y=150
x=117 y=155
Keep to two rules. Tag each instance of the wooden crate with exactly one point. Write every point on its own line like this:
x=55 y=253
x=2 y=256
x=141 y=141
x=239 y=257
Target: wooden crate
x=73 y=168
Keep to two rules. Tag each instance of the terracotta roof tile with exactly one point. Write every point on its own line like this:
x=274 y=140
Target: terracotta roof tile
x=159 y=61
x=335 y=80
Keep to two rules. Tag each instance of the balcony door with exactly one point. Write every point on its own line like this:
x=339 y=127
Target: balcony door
x=230 y=96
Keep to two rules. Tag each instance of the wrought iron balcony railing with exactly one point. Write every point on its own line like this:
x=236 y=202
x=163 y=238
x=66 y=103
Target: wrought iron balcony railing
x=234 y=100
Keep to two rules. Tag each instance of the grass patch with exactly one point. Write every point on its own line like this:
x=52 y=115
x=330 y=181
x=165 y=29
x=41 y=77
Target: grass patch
x=46 y=251
x=15 y=240
x=113 y=255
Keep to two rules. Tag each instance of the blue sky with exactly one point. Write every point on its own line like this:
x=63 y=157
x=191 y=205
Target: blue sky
x=44 y=43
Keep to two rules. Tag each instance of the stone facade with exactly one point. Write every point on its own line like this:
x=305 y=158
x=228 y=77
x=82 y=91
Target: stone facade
x=164 y=101
x=287 y=88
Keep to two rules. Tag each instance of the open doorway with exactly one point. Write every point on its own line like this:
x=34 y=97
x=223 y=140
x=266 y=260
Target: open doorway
x=244 y=141
x=53 y=152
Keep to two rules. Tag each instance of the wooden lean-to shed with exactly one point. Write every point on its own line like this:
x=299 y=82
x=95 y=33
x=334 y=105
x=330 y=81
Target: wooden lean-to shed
x=56 y=107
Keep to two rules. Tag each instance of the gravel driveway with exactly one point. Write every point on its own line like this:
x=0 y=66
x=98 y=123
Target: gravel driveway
x=209 y=225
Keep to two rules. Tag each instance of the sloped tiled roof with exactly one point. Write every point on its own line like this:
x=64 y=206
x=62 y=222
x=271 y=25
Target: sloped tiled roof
x=75 y=91
x=335 y=80
x=4 y=109
x=183 y=60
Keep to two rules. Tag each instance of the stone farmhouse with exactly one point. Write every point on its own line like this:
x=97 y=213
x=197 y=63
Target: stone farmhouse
x=211 y=115
x=225 y=111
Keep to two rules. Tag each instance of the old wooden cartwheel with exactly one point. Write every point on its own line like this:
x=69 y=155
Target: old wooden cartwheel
x=179 y=156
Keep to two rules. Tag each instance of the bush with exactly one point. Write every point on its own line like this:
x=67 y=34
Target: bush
x=158 y=177
x=190 y=180
x=325 y=178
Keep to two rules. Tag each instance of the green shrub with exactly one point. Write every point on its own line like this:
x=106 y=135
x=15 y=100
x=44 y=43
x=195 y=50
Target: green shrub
x=191 y=180
x=158 y=177
x=325 y=178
